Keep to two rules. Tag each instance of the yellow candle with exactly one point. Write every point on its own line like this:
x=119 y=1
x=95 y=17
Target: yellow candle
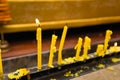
x=86 y=46
x=107 y=38
x=39 y=46
x=115 y=48
x=61 y=45
x=78 y=48
x=100 y=51
x=52 y=51
x=1 y=67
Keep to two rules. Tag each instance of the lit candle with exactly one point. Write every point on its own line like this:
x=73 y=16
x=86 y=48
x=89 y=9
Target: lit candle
x=78 y=48
x=86 y=46
x=100 y=51
x=115 y=48
x=61 y=45
x=52 y=51
x=1 y=67
x=107 y=38
x=39 y=45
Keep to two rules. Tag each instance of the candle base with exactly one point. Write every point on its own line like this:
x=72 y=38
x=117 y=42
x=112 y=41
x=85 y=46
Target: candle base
x=85 y=57
x=81 y=59
x=51 y=66
x=4 y=46
x=102 y=54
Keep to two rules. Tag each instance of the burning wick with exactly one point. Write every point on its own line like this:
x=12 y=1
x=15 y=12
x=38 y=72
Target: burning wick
x=115 y=48
x=37 y=22
x=115 y=44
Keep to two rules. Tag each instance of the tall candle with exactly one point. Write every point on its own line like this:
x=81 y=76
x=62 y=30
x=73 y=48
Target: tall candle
x=39 y=46
x=52 y=51
x=86 y=46
x=78 y=48
x=1 y=67
x=107 y=38
x=61 y=45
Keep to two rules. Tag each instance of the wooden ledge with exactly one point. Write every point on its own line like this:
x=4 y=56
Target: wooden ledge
x=59 y=24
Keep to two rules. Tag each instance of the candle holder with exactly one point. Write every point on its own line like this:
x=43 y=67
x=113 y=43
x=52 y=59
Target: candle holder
x=75 y=67
x=3 y=44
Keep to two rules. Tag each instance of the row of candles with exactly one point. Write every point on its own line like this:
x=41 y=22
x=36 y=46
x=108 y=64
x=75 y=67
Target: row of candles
x=100 y=51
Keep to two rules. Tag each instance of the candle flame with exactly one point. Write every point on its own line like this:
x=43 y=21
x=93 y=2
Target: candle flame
x=115 y=44
x=37 y=21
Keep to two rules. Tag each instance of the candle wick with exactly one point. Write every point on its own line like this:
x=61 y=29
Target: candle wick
x=37 y=22
x=115 y=44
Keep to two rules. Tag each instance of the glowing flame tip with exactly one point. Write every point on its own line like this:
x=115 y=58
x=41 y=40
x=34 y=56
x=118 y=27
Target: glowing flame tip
x=37 y=21
x=115 y=44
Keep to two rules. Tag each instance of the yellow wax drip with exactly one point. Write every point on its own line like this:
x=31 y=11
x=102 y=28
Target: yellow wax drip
x=101 y=66
x=115 y=60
